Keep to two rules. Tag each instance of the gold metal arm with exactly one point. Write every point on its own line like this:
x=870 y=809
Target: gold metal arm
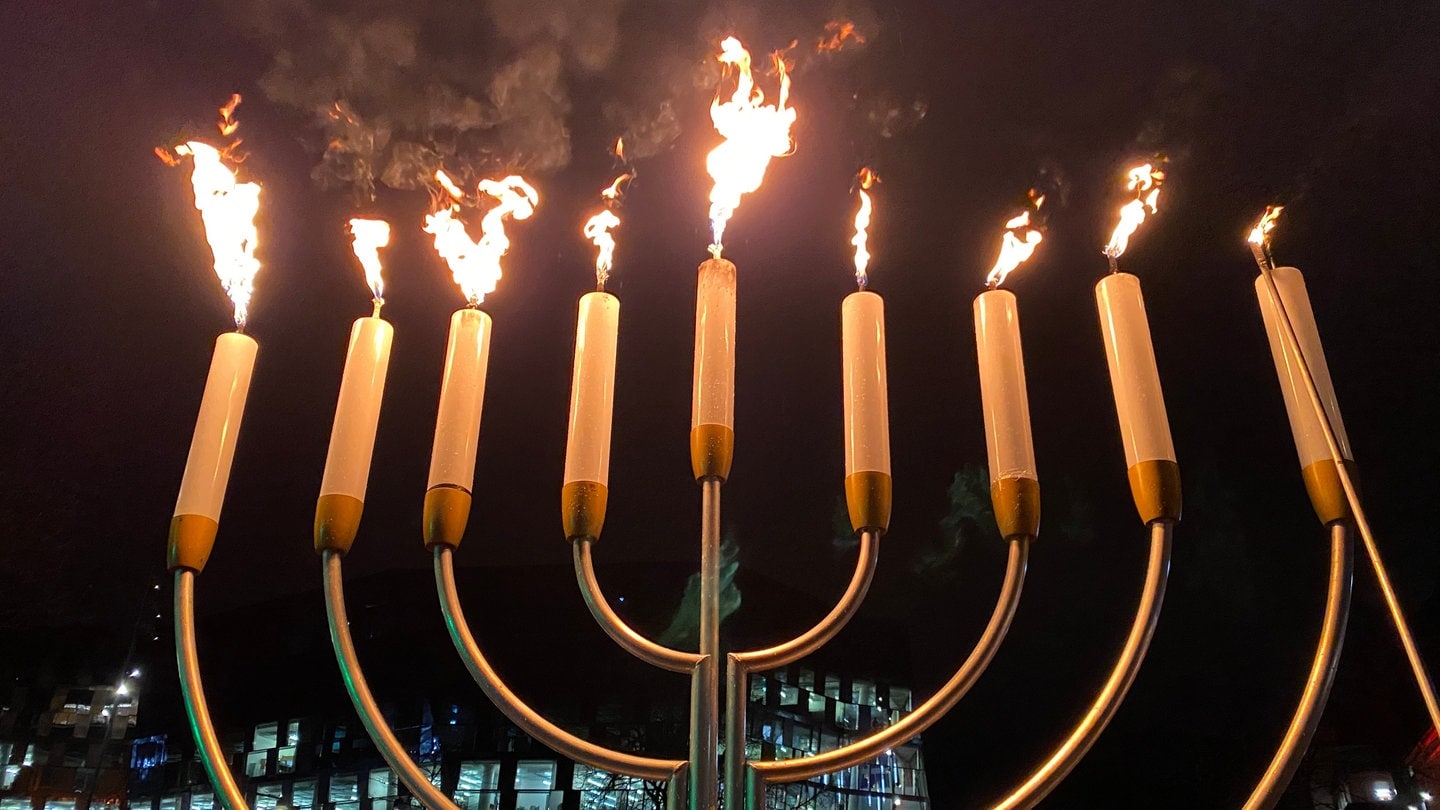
x=629 y=639
x=212 y=756
x=1322 y=677
x=1054 y=770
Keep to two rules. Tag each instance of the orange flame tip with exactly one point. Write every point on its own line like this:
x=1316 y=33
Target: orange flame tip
x=227 y=209
x=449 y=185
x=476 y=264
x=597 y=230
x=367 y=237
x=838 y=31
x=1016 y=245
x=1260 y=234
x=753 y=133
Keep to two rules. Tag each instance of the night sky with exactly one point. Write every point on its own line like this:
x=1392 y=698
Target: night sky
x=110 y=310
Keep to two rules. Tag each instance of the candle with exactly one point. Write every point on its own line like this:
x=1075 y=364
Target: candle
x=457 y=428
x=712 y=423
x=1317 y=464
x=1014 y=483
x=867 y=418
x=352 y=438
x=212 y=448
x=592 y=402
x=1139 y=403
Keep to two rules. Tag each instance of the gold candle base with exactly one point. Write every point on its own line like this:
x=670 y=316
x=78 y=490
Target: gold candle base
x=1156 y=487
x=712 y=448
x=447 y=511
x=1322 y=482
x=337 y=521
x=867 y=494
x=191 y=539
x=582 y=509
x=1017 y=507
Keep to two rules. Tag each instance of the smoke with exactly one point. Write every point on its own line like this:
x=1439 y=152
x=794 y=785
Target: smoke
x=397 y=89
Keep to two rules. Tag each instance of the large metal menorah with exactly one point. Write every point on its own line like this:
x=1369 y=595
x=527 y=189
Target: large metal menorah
x=695 y=782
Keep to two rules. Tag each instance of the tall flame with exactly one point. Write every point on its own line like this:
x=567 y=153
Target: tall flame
x=1144 y=181
x=1260 y=234
x=754 y=132
x=227 y=208
x=367 y=237
x=476 y=264
x=597 y=230
x=1016 y=245
x=861 y=238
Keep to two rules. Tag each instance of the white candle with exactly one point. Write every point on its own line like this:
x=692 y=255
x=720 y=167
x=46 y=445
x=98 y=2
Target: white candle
x=457 y=428
x=212 y=449
x=867 y=414
x=357 y=410
x=462 y=396
x=1304 y=423
x=1317 y=463
x=1014 y=482
x=712 y=424
x=592 y=403
x=1002 y=386
x=1139 y=402
x=352 y=438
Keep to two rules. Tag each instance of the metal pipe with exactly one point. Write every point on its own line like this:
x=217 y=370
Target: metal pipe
x=530 y=721
x=924 y=716
x=705 y=691
x=677 y=789
x=1322 y=676
x=656 y=655
x=193 y=692
x=390 y=747
x=1362 y=523
x=740 y=665
x=1054 y=770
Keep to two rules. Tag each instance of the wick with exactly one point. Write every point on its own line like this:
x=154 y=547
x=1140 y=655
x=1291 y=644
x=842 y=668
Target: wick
x=599 y=284
x=378 y=302
x=472 y=304
x=239 y=327
x=1262 y=257
x=1114 y=263
x=992 y=285
x=863 y=282
x=715 y=250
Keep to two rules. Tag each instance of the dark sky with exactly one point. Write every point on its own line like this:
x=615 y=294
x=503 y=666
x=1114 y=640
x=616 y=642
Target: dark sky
x=110 y=311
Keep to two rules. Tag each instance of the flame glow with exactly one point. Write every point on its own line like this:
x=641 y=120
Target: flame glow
x=367 y=237
x=1016 y=245
x=227 y=209
x=597 y=230
x=227 y=124
x=861 y=238
x=476 y=264
x=1260 y=234
x=1144 y=181
x=754 y=132
x=837 y=33
x=449 y=185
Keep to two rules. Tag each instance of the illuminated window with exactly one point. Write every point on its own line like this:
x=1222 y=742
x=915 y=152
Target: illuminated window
x=757 y=689
x=285 y=760
x=478 y=788
x=202 y=801
x=807 y=679
x=345 y=791
x=257 y=763
x=302 y=796
x=265 y=736
x=832 y=686
x=382 y=789
x=534 y=785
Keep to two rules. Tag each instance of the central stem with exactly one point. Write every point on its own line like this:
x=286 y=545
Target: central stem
x=705 y=689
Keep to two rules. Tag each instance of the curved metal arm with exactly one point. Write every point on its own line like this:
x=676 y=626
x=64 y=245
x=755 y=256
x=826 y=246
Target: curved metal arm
x=206 y=743
x=740 y=665
x=793 y=770
x=390 y=747
x=530 y=721
x=630 y=640
x=1317 y=686
x=1054 y=770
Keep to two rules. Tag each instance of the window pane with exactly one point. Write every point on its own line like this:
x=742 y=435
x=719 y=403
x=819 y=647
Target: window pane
x=345 y=791
x=264 y=737
x=382 y=789
x=303 y=794
x=534 y=774
x=202 y=801
x=256 y=762
x=479 y=775
x=285 y=760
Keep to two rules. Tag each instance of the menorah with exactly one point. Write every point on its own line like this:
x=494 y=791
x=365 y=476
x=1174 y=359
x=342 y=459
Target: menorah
x=695 y=782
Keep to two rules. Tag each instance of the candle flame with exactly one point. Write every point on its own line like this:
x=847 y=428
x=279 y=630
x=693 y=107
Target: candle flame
x=449 y=185
x=1017 y=244
x=837 y=33
x=866 y=178
x=597 y=230
x=753 y=132
x=476 y=264
x=367 y=237
x=227 y=209
x=1144 y=181
x=1260 y=234
x=227 y=124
